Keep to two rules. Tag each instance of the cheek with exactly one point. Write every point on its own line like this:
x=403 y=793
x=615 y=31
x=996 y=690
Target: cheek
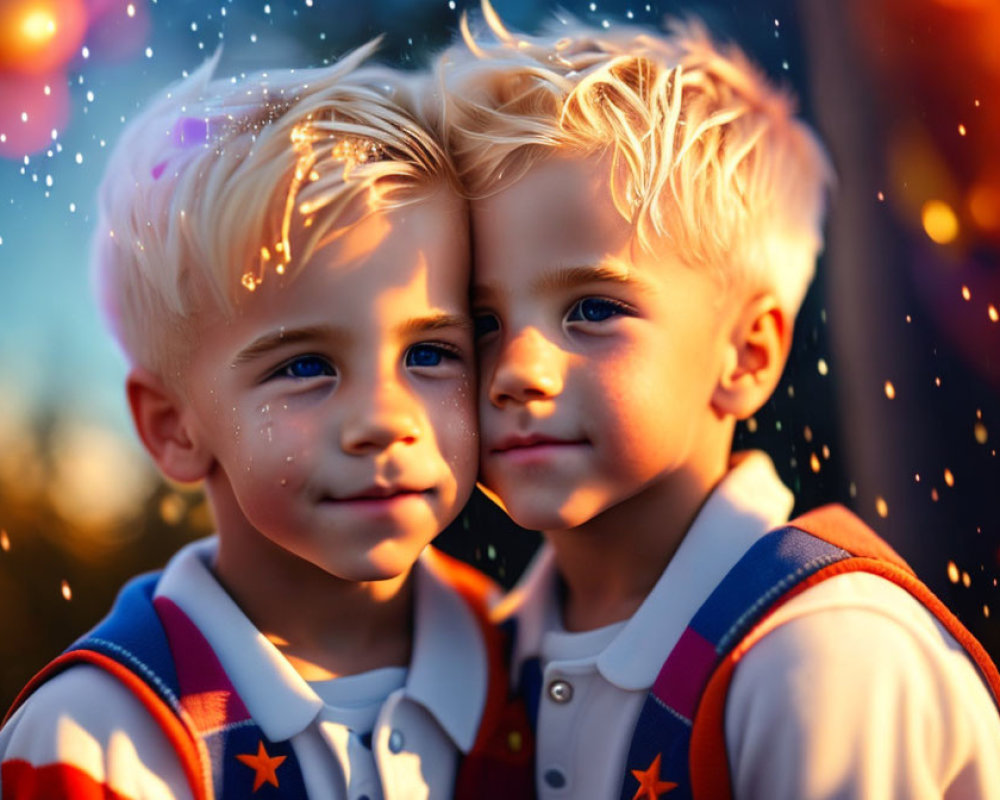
x=278 y=444
x=640 y=411
x=629 y=390
x=456 y=430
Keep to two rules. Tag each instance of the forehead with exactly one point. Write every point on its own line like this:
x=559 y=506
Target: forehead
x=560 y=212
x=425 y=240
x=408 y=261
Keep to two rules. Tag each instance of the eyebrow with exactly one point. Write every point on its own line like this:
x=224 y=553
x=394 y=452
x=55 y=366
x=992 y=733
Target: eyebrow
x=281 y=338
x=570 y=277
x=434 y=322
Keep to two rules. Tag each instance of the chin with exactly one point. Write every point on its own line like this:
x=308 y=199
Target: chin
x=537 y=516
x=385 y=566
x=368 y=572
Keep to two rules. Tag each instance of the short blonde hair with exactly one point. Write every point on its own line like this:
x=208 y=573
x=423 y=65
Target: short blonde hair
x=220 y=184
x=705 y=153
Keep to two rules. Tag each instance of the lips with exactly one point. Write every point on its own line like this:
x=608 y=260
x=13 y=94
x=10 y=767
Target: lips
x=379 y=492
x=530 y=442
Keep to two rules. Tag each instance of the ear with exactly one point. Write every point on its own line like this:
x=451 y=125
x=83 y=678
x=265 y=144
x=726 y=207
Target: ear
x=162 y=420
x=758 y=347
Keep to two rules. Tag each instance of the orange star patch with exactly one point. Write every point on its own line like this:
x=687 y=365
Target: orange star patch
x=650 y=785
x=263 y=765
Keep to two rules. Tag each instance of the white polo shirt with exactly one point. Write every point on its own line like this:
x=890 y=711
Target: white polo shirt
x=419 y=718
x=860 y=693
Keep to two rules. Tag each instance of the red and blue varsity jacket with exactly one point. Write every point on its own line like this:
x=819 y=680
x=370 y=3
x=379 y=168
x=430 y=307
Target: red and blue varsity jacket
x=150 y=646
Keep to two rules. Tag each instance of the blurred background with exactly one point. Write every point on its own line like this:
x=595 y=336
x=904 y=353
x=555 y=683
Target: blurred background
x=891 y=400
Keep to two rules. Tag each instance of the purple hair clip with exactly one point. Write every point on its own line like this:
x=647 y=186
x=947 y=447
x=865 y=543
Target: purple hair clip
x=191 y=132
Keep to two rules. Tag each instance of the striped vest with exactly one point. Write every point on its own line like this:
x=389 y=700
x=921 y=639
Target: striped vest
x=150 y=646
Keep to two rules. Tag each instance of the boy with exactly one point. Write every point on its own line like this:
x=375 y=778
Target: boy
x=285 y=261
x=646 y=217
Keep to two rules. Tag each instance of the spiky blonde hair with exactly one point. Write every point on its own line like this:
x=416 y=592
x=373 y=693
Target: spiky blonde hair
x=220 y=185
x=706 y=155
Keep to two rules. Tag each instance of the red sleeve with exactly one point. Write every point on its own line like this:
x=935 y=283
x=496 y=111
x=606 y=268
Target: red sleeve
x=19 y=780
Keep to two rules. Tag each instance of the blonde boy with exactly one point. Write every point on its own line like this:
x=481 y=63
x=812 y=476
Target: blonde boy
x=284 y=259
x=646 y=217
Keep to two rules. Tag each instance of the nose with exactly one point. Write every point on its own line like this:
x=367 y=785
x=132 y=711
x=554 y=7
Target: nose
x=528 y=367
x=383 y=414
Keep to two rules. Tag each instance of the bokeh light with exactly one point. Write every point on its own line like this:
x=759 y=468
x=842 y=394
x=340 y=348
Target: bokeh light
x=82 y=457
x=939 y=221
x=984 y=205
x=32 y=107
x=118 y=31
x=39 y=36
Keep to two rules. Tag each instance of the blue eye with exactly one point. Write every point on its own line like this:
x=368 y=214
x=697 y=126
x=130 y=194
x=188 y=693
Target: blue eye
x=428 y=355
x=485 y=324
x=597 y=309
x=306 y=367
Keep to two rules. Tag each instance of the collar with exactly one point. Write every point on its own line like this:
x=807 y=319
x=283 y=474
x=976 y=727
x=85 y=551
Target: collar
x=533 y=604
x=747 y=503
x=448 y=667
x=446 y=672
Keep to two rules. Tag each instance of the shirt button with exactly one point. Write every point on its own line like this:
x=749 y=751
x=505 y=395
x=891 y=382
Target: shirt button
x=396 y=740
x=560 y=691
x=555 y=778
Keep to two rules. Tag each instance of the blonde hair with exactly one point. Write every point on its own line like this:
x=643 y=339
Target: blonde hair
x=704 y=153
x=221 y=184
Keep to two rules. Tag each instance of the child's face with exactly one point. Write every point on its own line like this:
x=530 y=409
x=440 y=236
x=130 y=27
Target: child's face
x=339 y=405
x=599 y=374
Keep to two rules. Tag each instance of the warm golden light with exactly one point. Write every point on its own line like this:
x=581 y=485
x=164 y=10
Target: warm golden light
x=4 y=541
x=38 y=25
x=981 y=433
x=984 y=205
x=993 y=313
x=890 y=390
x=172 y=508
x=949 y=478
x=814 y=462
x=881 y=507
x=82 y=457
x=939 y=221
x=953 y=572
x=966 y=294
x=67 y=592
x=40 y=36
